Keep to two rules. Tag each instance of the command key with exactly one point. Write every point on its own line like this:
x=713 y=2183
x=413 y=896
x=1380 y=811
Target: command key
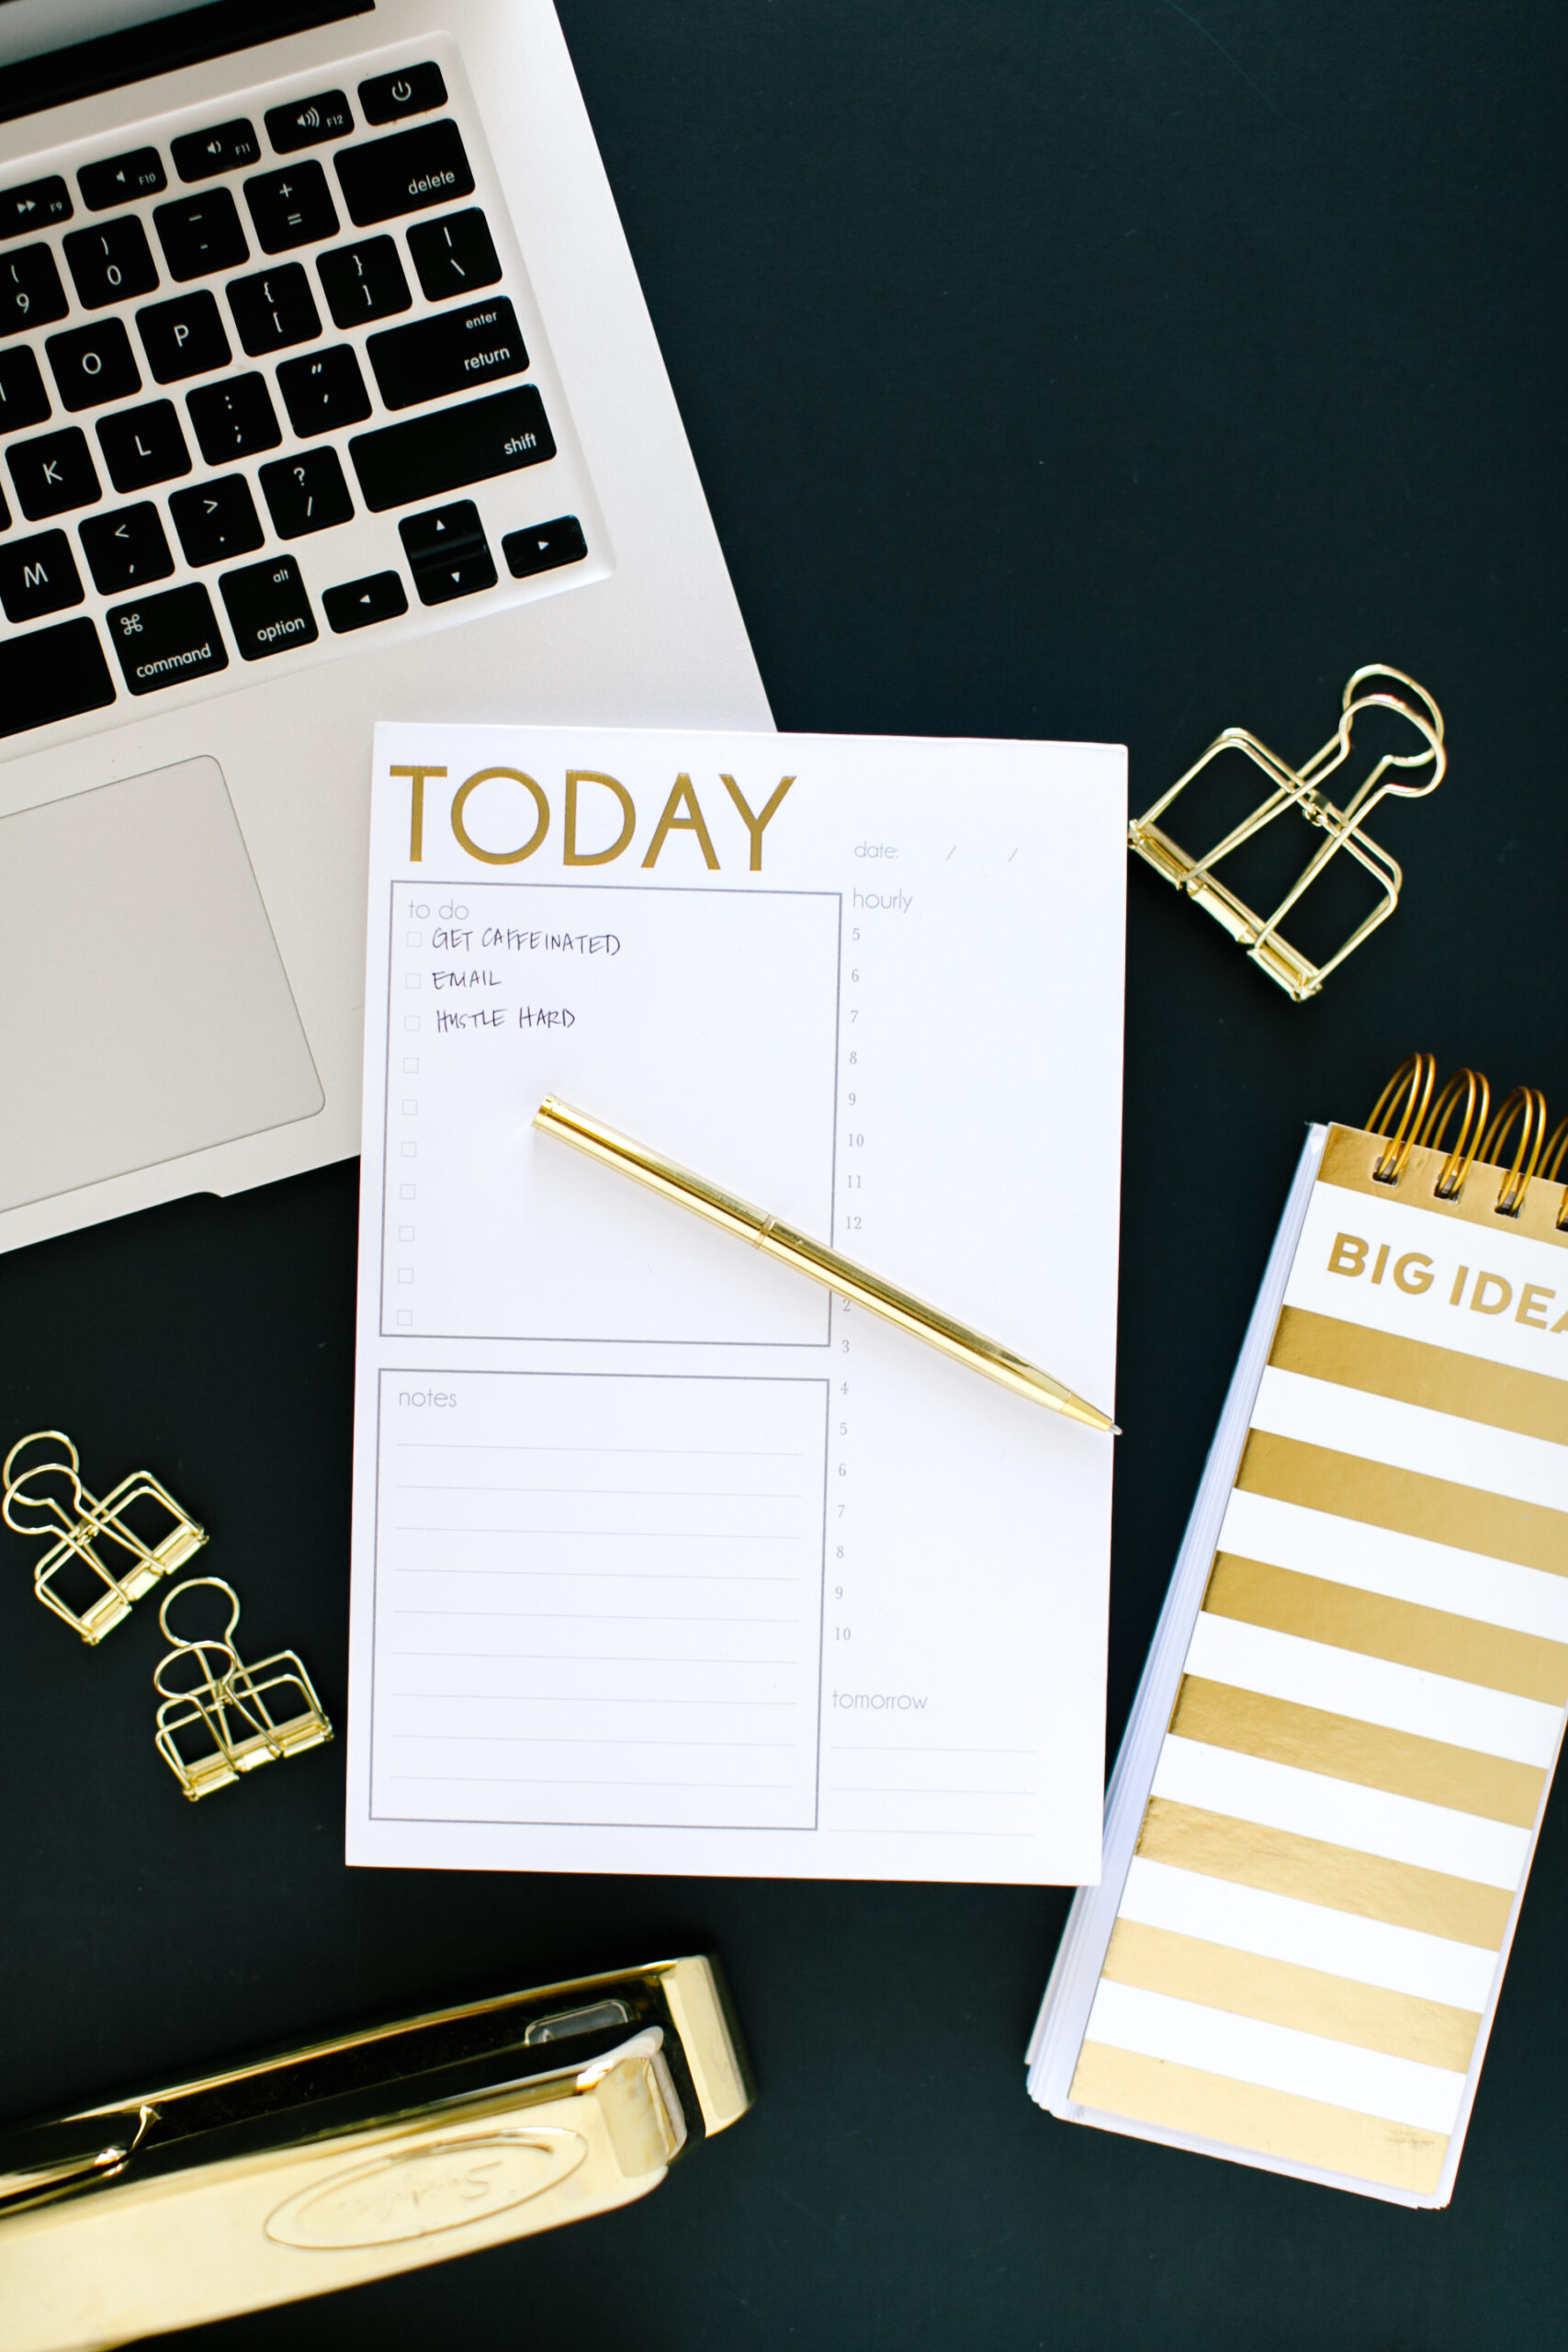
x=160 y=639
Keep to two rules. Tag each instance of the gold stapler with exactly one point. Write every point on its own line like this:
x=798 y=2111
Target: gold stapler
x=353 y=2158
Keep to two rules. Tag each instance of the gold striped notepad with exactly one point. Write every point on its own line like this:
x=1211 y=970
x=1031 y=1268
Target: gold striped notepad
x=1321 y=1822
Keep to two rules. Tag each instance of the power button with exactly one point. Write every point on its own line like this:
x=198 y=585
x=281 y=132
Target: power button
x=413 y=89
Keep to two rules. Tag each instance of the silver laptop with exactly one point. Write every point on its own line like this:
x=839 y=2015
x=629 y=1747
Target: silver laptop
x=327 y=395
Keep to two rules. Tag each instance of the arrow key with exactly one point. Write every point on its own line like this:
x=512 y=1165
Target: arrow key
x=447 y=553
x=358 y=602
x=126 y=548
x=544 y=548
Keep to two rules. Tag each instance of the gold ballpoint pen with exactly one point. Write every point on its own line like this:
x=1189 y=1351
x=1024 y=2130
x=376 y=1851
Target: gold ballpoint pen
x=795 y=1249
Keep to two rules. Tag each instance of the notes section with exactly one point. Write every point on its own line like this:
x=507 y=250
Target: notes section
x=599 y=1598
x=703 y=1021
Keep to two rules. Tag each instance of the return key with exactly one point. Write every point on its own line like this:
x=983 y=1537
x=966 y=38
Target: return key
x=434 y=356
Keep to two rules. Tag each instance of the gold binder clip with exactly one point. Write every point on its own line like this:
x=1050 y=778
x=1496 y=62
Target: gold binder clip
x=1301 y=789
x=228 y=1714
x=97 y=1546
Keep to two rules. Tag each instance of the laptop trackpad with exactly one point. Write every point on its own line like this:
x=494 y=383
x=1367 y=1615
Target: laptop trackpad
x=144 y=1011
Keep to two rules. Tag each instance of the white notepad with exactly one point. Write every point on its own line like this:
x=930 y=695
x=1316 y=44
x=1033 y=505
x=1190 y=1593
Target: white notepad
x=664 y=1560
x=1322 y=1818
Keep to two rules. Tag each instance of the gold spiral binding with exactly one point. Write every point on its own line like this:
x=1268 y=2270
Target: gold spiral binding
x=1466 y=1144
x=1527 y=1105
x=1479 y=1140
x=1416 y=1074
x=1551 y=1160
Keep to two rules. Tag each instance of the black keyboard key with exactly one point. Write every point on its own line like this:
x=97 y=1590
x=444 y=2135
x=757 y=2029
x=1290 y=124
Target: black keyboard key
x=39 y=576
x=275 y=308
x=411 y=173
x=126 y=549
x=455 y=256
x=54 y=673
x=324 y=390
x=142 y=446
x=544 y=548
x=184 y=337
x=461 y=349
x=53 y=474
x=200 y=234
x=308 y=122
x=163 y=640
x=5 y=514
x=92 y=364
x=111 y=262
x=216 y=520
x=233 y=419
x=364 y=281
x=200 y=154
x=30 y=292
x=120 y=178
x=306 y=494
x=23 y=400
x=38 y=204
x=440 y=535
x=268 y=609
x=452 y=447
x=359 y=603
x=291 y=208
x=413 y=89
x=446 y=553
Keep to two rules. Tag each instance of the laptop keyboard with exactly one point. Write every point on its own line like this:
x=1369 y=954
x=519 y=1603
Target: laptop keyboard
x=269 y=386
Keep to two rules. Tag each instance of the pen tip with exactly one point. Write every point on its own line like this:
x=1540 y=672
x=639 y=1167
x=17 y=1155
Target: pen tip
x=1115 y=1428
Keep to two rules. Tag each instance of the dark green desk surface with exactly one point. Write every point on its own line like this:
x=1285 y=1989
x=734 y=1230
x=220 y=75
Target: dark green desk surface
x=1099 y=368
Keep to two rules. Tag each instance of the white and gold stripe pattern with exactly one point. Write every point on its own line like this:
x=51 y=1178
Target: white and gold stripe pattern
x=1311 y=1931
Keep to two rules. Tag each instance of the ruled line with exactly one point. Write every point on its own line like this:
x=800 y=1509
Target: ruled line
x=619 y=1534
x=657 y=1452
x=659 y=1494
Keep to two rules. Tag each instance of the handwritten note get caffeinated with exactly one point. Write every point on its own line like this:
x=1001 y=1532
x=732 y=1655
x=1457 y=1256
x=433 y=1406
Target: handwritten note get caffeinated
x=663 y=1558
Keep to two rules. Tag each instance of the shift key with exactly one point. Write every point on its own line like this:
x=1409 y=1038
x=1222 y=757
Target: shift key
x=160 y=639
x=428 y=454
